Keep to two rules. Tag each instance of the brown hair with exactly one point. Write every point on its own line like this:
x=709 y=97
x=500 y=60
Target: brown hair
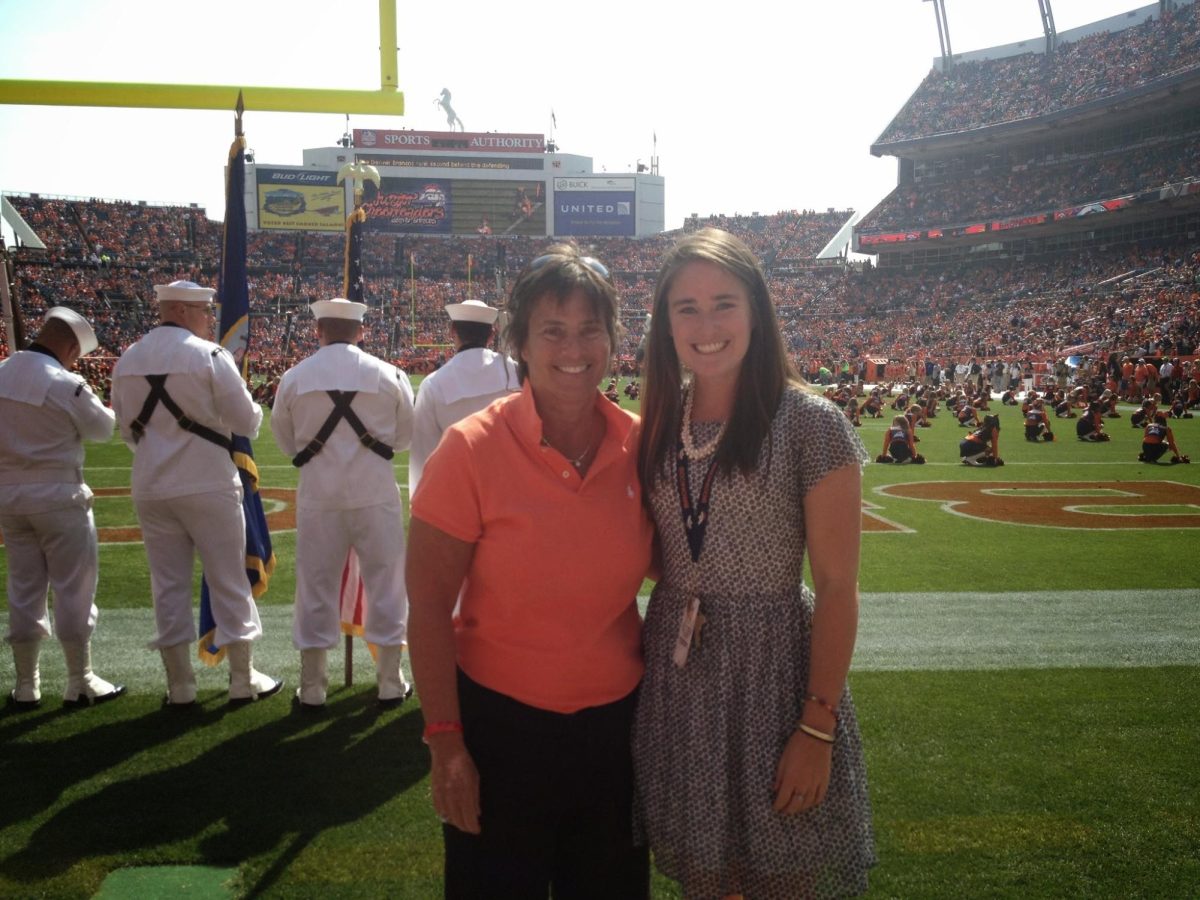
x=557 y=273
x=766 y=369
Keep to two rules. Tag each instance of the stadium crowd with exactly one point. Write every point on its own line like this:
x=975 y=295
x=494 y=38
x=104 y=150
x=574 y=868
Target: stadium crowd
x=1136 y=299
x=1018 y=186
x=980 y=93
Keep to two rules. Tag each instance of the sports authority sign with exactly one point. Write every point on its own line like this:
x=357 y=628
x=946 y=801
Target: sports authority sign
x=441 y=141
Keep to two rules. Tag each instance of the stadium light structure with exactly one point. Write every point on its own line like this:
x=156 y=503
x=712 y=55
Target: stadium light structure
x=387 y=101
x=939 y=12
x=1048 y=26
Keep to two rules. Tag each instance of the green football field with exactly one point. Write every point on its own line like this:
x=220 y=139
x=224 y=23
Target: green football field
x=1027 y=676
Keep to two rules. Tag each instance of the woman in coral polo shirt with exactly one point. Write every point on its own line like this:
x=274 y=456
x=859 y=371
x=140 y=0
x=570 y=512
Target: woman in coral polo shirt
x=532 y=510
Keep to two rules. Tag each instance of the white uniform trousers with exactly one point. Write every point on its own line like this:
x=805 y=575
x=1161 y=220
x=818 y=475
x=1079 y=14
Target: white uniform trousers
x=174 y=530
x=55 y=548
x=323 y=538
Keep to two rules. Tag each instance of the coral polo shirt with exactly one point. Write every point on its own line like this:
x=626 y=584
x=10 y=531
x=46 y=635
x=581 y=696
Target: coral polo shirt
x=548 y=615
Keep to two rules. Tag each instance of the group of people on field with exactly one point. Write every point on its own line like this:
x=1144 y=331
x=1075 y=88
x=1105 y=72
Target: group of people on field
x=568 y=738
x=981 y=447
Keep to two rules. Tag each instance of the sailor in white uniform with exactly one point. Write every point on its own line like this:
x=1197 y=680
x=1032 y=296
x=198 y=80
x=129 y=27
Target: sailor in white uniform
x=46 y=509
x=467 y=383
x=342 y=415
x=178 y=396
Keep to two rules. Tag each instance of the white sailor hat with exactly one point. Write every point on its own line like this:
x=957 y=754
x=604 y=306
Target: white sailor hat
x=338 y=308
x=472 y=311
x=184 y=292
x=79 y=325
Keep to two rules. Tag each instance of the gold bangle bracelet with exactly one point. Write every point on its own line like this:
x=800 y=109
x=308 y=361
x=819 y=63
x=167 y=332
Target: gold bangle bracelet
x=813 y=733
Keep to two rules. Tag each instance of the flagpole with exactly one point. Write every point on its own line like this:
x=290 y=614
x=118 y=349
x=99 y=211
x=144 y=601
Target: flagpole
x=354 y=289
x=233 y=296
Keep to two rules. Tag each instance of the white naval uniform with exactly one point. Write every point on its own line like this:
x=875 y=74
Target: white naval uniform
x=348 y=495
x=467 y=383
x=45 y=507
x=186 y=489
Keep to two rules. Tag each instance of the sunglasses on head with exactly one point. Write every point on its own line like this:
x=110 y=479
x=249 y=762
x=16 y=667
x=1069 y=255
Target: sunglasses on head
x=590 y=261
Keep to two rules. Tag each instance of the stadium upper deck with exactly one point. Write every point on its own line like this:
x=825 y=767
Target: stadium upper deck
x=1003 y=154
x=1091 y=72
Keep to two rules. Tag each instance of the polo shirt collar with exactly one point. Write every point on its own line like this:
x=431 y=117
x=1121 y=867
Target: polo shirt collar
x=522 y=416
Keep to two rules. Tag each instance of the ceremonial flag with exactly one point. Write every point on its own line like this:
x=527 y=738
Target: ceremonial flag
x=353 y=284
x=233 y=293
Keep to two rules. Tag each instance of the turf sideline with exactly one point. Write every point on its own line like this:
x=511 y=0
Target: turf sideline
x=904 y=631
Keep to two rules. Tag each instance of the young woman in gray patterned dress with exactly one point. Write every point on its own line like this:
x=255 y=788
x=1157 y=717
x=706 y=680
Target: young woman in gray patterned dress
x=748 y=758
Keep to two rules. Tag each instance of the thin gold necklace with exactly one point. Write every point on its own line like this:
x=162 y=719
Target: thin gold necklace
x=577 y=461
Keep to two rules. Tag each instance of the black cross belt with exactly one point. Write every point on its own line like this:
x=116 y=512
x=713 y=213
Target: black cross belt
x=158 y=394
x=342 y=410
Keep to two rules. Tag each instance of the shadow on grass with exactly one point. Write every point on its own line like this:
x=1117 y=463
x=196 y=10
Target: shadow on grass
x=254 y=778
x=40 y=766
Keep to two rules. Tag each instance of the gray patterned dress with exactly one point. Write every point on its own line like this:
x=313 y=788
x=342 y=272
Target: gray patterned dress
x=709 y=735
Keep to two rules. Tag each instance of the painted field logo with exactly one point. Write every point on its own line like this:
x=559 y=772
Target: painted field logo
x=278 y=503
x=1110 y=505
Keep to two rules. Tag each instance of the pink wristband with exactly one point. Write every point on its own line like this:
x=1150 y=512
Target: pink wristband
x=434 y=728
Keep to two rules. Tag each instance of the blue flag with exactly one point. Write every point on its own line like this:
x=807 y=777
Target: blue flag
x=233 y=293
x=353 y=283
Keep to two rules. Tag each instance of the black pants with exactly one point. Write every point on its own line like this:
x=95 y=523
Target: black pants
x=556 y=793
x=1153 y=452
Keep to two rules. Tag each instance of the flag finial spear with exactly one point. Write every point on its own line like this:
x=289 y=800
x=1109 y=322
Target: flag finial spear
x=237 y=120
x=358 y=173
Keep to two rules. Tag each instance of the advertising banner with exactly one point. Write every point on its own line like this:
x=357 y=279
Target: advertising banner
x=495 y=163
x=1091 y=209
x=460 y=141
x=300 y=199
x=595 y=213
x=596 y=183
x=895 y=237
x=457 y=206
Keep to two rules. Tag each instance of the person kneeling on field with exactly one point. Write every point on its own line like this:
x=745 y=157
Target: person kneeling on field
x=1037 y=423
x=898 y=444
x=1109 y=401
x=1144 y=415
x=982 y=446
x=1090 y=426
x=1157 y=440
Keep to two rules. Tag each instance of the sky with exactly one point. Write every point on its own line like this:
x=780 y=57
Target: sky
x=756 y=105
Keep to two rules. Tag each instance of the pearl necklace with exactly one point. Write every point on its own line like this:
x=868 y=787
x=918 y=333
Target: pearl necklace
x=685 y=432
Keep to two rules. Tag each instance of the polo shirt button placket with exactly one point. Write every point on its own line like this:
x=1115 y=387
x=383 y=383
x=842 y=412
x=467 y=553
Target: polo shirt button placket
x=566 y=473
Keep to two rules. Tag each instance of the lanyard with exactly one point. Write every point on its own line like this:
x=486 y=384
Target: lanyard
x=695 y=515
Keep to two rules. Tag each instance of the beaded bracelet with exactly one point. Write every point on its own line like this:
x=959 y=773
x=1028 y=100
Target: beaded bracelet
x=813 y=733
x=435 y=728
